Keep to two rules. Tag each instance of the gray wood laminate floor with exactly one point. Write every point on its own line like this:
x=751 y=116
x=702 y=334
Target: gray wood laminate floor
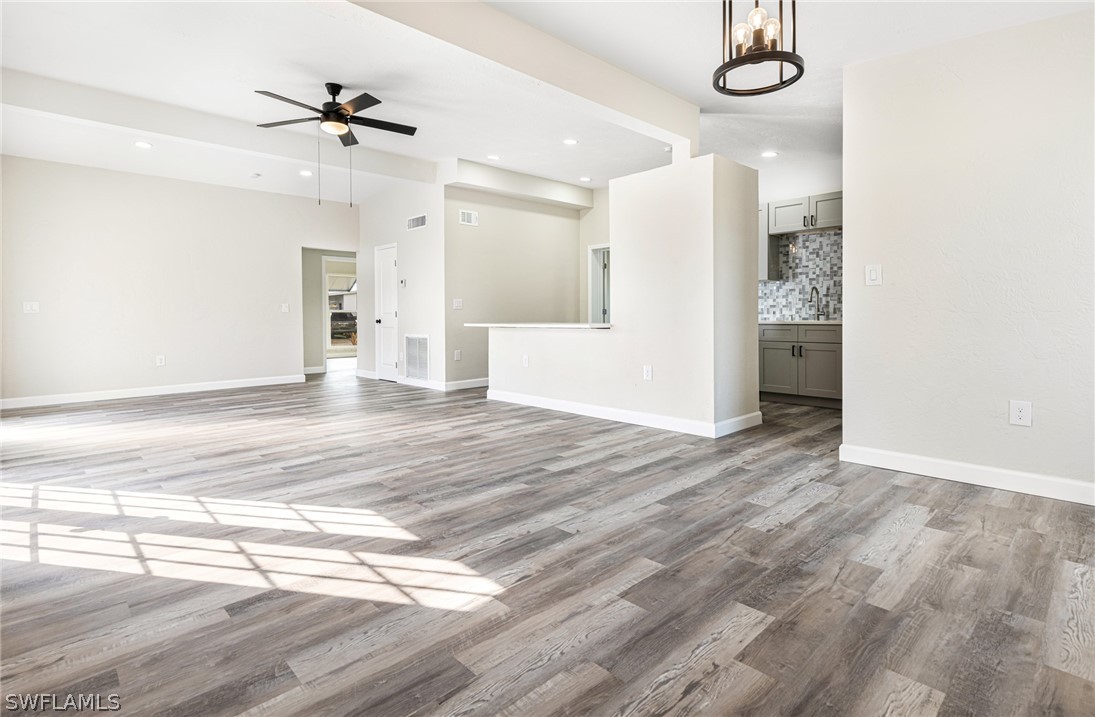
x=352 y=547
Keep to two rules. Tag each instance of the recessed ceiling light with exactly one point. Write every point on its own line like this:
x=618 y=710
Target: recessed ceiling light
x=143 y=145
x=570 y=141
x=493 y=157
x=584 y=179
x=769 y=154
x=305 y=173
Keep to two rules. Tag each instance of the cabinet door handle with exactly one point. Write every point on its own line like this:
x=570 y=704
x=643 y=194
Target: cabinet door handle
x=813 y=220
x=804 y=221
x=792 y=349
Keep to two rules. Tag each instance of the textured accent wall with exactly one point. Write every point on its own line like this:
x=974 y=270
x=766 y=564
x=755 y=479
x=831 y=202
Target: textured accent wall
x=816 y=261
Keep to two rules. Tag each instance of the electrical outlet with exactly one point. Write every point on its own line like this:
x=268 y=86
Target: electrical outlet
x=456 y=355
x=161 y=360
x=285 y=308
x=30 y=307
x=457 y=304
x=648 y=373
x=1019 y=413
x=524 y=360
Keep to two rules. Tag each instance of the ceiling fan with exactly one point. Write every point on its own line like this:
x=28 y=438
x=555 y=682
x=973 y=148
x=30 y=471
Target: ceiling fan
x=336 y=118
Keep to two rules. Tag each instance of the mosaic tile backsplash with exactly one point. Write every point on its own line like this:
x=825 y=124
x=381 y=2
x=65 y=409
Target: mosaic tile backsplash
x=816 y=261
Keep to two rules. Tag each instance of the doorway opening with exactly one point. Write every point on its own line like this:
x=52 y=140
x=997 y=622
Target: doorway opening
x=340 y=302
x=600 y=303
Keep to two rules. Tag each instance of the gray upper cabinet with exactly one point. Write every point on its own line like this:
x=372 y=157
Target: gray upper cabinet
x=819 y=211
x=827 y=210
x=788 y=215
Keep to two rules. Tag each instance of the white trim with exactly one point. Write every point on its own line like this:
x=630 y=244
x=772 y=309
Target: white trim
x=143 y=391
x=420 y=383
x=1070 y=489
x=308 y=370
x=467 y=383
x=639 y=418
x=363 y=373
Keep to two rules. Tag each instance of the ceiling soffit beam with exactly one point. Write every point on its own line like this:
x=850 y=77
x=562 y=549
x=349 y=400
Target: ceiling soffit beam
x=473 y=175
x=88 y=104
x=605 y=91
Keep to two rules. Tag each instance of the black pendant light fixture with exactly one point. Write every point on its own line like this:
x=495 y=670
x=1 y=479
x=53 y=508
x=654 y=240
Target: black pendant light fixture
x=756 y=41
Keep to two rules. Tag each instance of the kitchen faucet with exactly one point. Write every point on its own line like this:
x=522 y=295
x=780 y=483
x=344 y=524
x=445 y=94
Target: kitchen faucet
x=815 y=299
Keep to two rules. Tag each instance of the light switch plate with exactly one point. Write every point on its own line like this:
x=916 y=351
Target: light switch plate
x=873 y=275
x=457 y=303
x=456 y=355
x=30 y=307
x=285 y=308
x=524 y=360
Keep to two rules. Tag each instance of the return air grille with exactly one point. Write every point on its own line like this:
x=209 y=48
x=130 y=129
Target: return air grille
x=417 y=349
x=469 y=217
x=416 y=222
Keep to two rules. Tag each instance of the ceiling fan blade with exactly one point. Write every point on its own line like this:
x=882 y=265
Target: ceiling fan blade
x=362 y=102
x=348 y=138
x=381 y=124
x=286 y=99
x=278 y=124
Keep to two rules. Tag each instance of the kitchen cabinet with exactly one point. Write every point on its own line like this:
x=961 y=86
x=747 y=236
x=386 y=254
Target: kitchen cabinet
x=820 y=211
x=788 y=215
x=826 y=210
x=767 y=248
x=801 y=359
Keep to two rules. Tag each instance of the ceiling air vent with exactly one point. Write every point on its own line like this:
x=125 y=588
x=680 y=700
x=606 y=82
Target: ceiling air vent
x=416 y=222
x=417 y=350
x=469 y=217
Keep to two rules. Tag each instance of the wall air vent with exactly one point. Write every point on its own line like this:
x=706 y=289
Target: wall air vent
x=469 y=217
x=416 y=222
x=417 y=351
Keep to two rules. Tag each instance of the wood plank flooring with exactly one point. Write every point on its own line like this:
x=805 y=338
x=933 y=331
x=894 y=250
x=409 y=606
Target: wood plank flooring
x=352 y=547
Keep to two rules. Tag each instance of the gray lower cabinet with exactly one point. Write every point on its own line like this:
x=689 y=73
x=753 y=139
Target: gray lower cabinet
x=795 y=366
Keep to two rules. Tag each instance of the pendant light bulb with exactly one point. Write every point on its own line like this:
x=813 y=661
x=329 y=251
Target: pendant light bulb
x=771 y=29
x=757 y=17
x=741 y=33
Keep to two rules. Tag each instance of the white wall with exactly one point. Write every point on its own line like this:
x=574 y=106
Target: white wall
x=680 y=236
x=520 y=264
x=968 y=176
x=783 y=179
x=592 y=230
x=421 y=264
x=126 y=267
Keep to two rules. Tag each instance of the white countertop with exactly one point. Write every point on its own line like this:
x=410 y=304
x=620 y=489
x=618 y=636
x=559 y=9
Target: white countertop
x=541 y=326
x=836 y=322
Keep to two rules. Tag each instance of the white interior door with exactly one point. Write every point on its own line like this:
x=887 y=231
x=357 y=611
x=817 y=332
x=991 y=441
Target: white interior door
x=387 y=331
x=600 y=310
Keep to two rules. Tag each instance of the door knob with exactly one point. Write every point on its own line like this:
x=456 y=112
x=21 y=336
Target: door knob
x=378 y=321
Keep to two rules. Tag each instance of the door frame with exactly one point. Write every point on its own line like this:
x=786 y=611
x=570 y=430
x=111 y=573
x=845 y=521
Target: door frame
x=376 y=307
x=592 y=251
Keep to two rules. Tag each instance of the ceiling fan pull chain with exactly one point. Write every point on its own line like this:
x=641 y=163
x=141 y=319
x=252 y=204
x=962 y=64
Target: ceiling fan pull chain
x=319 y=176
x=351 y=177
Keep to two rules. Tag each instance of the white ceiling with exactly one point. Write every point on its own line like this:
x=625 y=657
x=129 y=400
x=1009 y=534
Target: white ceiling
x=676 y=44
x=210 y=57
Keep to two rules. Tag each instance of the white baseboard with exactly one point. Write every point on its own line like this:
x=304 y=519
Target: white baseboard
x=1070 y=489
x=420 y=383
x=466 y=383
x=308 y=370
x=638 y=418
x=84 y=397
x=362 y=373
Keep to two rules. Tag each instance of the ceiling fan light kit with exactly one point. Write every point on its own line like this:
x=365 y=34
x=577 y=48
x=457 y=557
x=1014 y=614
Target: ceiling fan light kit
x=757 y=40
x=335 y=117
